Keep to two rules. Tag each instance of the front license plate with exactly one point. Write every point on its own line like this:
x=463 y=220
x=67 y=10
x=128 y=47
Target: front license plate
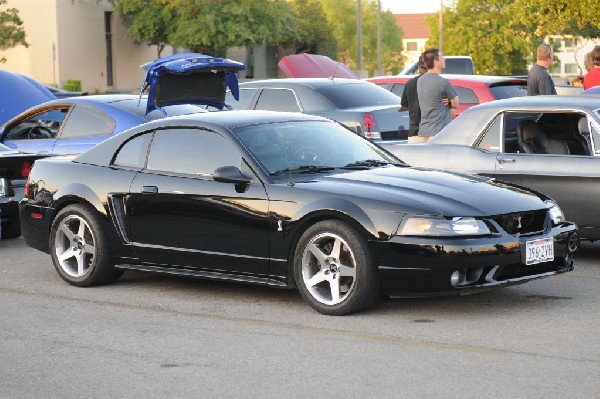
x=538 y=251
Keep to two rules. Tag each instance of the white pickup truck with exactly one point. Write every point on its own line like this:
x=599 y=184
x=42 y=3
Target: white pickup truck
x=455 y=64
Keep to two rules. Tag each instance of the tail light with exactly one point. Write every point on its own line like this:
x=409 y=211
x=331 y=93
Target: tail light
x=368 y=126
x=26 y=168
x=26 y=191
x=369 y=122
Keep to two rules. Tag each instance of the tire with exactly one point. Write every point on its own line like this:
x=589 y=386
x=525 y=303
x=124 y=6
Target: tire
x=334 y=270
x=79 y=247
x=11 y=229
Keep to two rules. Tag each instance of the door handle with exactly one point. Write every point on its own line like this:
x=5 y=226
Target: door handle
x=507 y=160
x=149 y=190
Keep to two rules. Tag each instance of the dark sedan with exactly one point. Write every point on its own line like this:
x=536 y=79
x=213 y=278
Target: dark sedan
x=14 y=169
x=362 y=106
x=286 y=200
x=548 y=143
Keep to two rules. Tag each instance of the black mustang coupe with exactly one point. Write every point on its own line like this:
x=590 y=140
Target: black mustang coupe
x=287 y=200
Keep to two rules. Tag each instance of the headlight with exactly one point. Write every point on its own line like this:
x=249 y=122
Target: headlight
x=2 y=187
x=555 y=212
x=435 y=227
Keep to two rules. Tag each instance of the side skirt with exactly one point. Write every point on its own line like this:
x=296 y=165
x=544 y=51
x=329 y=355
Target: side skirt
x=213 y=275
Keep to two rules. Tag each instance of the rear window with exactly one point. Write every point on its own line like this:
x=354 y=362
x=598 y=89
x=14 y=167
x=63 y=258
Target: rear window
x=501 y=92
x=358 y=95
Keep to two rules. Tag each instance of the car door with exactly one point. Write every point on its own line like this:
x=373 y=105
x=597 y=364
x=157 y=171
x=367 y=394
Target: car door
x=35 y=132
x=571 y=180
x=177 y=215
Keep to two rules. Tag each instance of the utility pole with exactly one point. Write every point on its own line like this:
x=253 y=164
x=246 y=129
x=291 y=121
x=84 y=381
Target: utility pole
x=379 y=68
x=359 y=52
x=441 y=26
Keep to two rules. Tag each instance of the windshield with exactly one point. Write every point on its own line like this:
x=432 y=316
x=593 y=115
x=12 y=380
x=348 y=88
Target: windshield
x=309 y=147
x=359 y=95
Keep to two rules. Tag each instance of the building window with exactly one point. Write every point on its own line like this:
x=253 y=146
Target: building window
x=109 y=54
x=569 y=42
x=412 y=46
x=571 y=69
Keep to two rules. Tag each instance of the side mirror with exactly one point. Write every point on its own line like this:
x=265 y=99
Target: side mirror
x=230 y=174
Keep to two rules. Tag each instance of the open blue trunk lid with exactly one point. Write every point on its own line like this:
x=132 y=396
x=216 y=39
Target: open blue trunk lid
x=190 y=78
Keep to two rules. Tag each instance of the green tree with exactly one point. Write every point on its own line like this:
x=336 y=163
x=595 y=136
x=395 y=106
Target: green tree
x=487 y=31
x=551 y=17
x=212 y=26
x=147 y=21
x=341 y=15
x=314 y=30
x=12 y=33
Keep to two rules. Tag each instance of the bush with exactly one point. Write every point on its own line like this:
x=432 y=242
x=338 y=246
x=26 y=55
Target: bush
x=72 y=85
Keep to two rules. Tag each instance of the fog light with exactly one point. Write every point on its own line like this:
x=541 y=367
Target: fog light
x=456 y=278
x=573 y=243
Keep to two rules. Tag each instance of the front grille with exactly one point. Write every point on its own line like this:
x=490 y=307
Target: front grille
x=522 y=223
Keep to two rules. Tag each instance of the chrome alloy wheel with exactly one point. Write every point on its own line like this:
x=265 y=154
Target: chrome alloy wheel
x=328 y=268
x=74 y=246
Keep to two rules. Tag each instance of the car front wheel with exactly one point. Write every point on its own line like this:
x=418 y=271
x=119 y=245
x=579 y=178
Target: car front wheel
x=334 y=269
x=79 y=247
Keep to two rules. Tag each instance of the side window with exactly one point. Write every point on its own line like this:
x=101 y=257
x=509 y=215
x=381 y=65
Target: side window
x=41 y=126
x=513 y=140
x=466 y=96
x=596 y=138
x=84 y=121
x=398 y=89
x=133 y=153
x=245 y=102
x=278 y=100
x=191 y=151
x=491 y=139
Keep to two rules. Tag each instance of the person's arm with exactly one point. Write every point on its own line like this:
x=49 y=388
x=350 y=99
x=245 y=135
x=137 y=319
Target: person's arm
x=547 y=86
x=454 y=103
x=451 y=96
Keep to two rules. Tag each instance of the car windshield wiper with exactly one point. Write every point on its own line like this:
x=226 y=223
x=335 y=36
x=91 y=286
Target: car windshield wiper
x=368 y=163
x=303 y=169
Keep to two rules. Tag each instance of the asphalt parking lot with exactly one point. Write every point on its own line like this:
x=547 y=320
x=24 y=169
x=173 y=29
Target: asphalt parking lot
x=160 y=336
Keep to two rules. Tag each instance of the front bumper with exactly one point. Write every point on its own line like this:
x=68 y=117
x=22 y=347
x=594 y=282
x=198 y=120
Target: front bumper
x=419 y=267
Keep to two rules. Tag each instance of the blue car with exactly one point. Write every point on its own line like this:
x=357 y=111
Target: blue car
x=176 y=85
x=20 y=92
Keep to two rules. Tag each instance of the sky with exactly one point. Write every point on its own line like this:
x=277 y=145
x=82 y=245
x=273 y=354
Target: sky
x=411 y=6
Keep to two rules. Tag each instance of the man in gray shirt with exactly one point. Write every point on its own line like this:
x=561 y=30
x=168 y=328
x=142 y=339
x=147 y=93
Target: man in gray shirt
x=539 y=81
x=436 y=96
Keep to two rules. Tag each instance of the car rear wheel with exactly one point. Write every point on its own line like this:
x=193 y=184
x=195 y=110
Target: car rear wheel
x=79 y=248
x=334 y=270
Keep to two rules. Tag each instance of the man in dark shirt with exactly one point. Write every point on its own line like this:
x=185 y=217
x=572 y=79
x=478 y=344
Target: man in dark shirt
x=539 y=81
x=410 y=101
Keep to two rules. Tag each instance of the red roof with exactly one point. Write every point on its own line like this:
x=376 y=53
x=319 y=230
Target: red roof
x=413 y=25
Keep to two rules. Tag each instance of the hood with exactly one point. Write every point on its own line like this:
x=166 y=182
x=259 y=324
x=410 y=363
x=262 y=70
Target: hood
x=190 y=78
x=314 y=66
x=429 y=192
x=19 y=93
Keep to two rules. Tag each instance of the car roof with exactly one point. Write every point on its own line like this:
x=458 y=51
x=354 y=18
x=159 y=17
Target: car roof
x=102 y=153
x=485 y=79
x=309 y=82
x=460 y=130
